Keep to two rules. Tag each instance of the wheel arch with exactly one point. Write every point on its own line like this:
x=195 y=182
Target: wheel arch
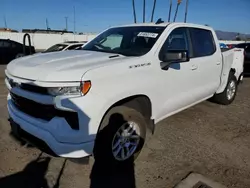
x=224 y=79
x=141 y=103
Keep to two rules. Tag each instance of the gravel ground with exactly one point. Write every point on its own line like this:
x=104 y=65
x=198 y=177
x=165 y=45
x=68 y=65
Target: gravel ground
x=208 y=138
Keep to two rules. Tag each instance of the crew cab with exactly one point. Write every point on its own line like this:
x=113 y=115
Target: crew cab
x=107 y=98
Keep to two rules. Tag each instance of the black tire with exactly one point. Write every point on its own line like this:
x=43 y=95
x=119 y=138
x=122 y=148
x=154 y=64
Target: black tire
x=112 y=122
x=222 y=98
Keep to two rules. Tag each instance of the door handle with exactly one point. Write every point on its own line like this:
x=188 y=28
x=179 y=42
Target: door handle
x=218 y=63
x=194 y=67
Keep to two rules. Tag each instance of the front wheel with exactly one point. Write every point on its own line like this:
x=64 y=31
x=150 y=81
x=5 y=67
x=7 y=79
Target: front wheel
x=121 y=136
x=229 y=93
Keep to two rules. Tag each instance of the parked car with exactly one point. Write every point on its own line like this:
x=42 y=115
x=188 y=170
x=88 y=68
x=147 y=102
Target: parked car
x=245 y=46
x=230 y=45
x=70 y=45
x=223 y=45
x=106 y=99
x=10 y=50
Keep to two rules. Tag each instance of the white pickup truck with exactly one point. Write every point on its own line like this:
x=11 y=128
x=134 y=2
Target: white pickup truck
x=106 y=99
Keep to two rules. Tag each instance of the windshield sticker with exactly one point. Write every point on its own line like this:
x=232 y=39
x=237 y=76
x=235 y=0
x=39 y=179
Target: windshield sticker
x=146 y=34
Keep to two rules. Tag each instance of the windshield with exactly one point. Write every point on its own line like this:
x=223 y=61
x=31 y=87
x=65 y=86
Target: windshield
x=57 y=47
x=128 y=41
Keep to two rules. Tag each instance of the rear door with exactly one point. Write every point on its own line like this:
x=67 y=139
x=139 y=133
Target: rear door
x=207 y=60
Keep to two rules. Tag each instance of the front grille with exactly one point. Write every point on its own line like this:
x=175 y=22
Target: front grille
x=28 y=87
x=33 y=88
x=43 y=111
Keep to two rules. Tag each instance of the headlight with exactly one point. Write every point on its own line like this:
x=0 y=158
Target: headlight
x=82 y=89
x=55 y=91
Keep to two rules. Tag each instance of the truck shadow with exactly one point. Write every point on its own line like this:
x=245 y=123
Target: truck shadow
x=106 y=172
x=103 y=175
x=32 y=176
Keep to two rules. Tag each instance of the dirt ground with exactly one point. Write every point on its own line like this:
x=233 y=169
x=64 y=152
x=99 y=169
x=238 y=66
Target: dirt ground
x=208 y=138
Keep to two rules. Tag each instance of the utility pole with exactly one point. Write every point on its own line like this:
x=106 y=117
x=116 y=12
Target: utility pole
x=5 y=22
x=153 y=11
x=133 y=4
x=74 y=20
x=170 y=9
x=144 y=7
x=186 y=12
x=47 y=24
x=66 y=20
x=177 y=8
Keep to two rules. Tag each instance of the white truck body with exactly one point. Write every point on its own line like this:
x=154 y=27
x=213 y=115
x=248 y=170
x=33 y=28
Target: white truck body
x=114 y=77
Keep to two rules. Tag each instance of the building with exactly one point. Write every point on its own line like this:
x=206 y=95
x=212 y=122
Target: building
x=8 y=30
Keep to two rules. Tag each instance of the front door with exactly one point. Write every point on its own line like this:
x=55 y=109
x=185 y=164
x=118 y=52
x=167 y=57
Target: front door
x=177 y=87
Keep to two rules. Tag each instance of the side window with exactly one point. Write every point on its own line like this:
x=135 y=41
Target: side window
x=112 y=41
x=177 y=40
x=203 y=42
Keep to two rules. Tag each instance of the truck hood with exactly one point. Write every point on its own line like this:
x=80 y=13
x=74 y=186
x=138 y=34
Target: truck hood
x=59 y=66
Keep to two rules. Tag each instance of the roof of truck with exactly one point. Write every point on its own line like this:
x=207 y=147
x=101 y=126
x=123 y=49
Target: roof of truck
x=164 y=24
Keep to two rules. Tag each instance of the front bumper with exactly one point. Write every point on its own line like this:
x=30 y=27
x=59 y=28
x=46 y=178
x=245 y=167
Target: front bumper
x=37 y=135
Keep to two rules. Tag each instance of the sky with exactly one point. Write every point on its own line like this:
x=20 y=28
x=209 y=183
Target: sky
x=97 y=15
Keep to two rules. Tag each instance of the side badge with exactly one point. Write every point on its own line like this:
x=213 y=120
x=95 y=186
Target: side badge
x=139 y=65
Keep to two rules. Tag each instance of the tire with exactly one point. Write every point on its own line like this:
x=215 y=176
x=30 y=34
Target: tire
x=107 y=137
x=223 y=98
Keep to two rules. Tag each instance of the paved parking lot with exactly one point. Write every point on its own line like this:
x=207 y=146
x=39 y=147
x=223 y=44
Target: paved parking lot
x=208 y=138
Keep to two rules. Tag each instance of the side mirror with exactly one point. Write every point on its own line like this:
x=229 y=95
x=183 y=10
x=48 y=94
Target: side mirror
x=174 y=56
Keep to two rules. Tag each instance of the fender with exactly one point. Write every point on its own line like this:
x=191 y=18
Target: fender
x=228 y=58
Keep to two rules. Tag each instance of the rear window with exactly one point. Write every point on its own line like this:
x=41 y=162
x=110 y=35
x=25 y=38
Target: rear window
x=203 y=42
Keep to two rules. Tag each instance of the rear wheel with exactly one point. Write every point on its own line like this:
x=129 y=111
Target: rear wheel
x=121 y=136
x=229 y=93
